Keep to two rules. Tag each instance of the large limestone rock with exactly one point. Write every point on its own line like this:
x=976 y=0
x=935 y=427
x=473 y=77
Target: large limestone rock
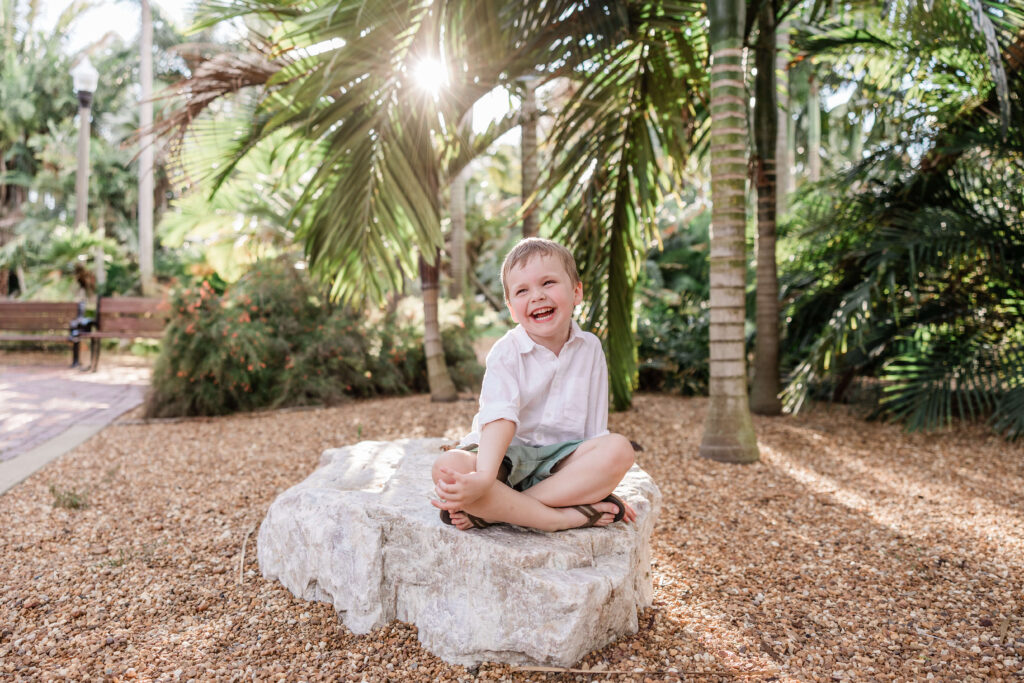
x=360 y=533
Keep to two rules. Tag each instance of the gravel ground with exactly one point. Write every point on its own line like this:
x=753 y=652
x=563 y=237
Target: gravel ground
x=851 y=551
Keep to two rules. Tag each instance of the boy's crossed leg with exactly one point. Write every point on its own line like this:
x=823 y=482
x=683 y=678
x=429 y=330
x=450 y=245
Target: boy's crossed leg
x=584 y=477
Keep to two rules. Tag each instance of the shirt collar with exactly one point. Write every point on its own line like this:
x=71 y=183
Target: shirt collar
x=524 y=344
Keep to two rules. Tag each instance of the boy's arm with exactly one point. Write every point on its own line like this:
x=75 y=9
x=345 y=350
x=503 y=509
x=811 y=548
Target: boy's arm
x=457 y=490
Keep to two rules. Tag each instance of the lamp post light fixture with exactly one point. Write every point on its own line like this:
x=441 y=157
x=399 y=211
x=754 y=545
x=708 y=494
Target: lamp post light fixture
x=85 y=78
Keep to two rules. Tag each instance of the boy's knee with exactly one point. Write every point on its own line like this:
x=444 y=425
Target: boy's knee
x=459 y=461
x=620 y=451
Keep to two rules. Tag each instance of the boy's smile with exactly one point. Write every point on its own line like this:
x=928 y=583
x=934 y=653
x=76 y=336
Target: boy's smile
x=542 y=298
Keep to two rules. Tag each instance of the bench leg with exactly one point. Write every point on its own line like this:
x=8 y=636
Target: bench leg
x=74 y=353
x=94 y=348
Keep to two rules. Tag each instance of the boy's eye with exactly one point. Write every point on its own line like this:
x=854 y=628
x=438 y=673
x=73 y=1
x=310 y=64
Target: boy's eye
x=549 y=282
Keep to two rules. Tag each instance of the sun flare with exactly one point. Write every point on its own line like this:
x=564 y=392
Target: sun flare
x=430 y=75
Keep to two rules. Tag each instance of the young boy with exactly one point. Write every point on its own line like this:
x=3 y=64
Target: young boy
x=543 y=455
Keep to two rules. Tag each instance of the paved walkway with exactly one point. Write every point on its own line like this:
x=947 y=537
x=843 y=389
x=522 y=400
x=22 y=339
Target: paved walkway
x=47 y=408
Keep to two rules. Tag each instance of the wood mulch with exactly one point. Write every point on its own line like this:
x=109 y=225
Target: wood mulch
x=851 y=551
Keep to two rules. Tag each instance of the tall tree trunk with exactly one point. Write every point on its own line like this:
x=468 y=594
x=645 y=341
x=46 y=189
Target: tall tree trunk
x=457 y=207
x=728 y=429
x=856 y=143
x=764 y=391
x=442 y=389
x=4 y=235
x=783 y=165
x=814 y=131
x=146 y=152
x=528 y=151
x=98 y=253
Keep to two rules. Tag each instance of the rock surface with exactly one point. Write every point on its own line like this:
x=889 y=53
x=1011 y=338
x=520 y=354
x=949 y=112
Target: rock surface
x=360 y=533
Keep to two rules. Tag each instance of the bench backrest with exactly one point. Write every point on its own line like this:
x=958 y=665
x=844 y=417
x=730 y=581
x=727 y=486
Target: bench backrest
x=142 y=316
x=37 y=315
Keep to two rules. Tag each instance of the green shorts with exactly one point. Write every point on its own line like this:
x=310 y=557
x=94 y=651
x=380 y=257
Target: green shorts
x=526 y=466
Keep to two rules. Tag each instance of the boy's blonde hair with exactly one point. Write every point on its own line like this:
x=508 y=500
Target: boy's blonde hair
x=538 y=246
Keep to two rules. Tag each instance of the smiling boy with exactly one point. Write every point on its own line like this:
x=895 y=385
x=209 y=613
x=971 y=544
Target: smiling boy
x=539 y=454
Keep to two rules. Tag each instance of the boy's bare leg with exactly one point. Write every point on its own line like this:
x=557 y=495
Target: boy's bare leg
x=588 y=474
x=500 y=503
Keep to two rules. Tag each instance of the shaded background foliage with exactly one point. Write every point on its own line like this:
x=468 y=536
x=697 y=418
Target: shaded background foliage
x=908 y=266
x=273 y=339
x=901 y=270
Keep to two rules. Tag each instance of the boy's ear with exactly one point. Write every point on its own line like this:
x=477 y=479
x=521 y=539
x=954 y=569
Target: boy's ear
x=511 y=313
x=577 y=294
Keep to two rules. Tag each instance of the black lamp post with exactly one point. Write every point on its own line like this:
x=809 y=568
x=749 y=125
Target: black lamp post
x=86 y=78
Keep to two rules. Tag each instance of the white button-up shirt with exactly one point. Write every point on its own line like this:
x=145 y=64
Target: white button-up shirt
x=550 y=398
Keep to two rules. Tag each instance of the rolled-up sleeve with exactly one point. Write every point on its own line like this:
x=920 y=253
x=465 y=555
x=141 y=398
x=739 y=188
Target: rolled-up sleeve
x=499 y=393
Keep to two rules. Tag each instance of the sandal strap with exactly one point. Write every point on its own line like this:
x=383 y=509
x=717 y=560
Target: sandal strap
x=592 y=514
x=476 y=521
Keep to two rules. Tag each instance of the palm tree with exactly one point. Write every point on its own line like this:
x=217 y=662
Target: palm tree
x=457 y=216
x=529 y=155
x=620 y=142
x=924 y=242
x=146 y=184
x=344 y=82
x=770 y=166
x=36 y=99
x=457 y=211
x=728 y=431
x=783 y=168
x=764 y=390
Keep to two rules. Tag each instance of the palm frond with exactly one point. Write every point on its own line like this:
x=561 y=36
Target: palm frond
x=946 y=371
x=620 y=141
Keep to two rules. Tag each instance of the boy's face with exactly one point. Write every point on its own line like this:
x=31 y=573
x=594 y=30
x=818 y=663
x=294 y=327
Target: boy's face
x=541 y=298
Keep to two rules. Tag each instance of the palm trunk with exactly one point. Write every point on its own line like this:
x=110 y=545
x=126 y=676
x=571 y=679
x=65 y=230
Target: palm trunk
x=764 y=392
x=529 y=155
x=728 y=429
x=783 y=167
x=4 y=273
x=146 y=153
x=814 y=131
x=457 y=207
x=442 y=389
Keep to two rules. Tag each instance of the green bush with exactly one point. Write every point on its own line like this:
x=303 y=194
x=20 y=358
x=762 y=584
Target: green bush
x=674 y=320
x=271 y=340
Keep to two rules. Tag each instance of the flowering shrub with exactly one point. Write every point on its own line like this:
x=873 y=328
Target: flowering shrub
x=271 y=341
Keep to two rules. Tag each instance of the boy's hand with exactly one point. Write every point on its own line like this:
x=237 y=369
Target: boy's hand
x=457 y=490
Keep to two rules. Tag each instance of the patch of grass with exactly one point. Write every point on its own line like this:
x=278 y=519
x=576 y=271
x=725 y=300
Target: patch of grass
x=123 y=558
x=70 y=499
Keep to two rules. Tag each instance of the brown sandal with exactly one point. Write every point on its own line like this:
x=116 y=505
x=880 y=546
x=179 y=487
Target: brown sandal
x=475 y=521
x=593 y=515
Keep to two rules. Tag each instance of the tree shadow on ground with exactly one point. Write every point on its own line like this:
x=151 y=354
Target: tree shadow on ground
x=834 y=559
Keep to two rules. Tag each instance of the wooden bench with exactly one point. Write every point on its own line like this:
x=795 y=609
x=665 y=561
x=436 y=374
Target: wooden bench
x=126 y=317
x=42 y=321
